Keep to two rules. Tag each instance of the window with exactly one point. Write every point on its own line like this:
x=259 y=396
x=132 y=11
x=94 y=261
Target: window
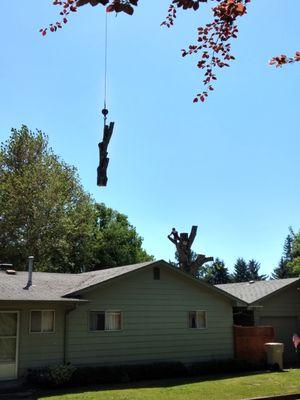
x=105 y=321
x=156 y=273
x=197 y=319
x=42 y=321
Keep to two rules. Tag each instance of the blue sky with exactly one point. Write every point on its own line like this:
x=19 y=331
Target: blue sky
x=230 y=166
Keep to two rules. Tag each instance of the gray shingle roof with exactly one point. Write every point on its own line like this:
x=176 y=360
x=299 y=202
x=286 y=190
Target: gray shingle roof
x=252 y=292
x=46 y=286
x=67 y=287
x=55 y=286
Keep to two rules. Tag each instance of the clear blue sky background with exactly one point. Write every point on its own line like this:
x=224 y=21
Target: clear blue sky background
x=230 y=166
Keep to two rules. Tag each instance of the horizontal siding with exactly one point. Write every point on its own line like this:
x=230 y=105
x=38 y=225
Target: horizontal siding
x=154 y=322
x=283 y=312
x=154 y=325
x=37 y=350
x=284 y=304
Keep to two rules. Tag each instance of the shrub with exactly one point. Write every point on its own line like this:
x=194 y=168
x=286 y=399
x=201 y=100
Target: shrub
x=67 y=375
x=127 y=373
x=52 y=376
x=223 y=367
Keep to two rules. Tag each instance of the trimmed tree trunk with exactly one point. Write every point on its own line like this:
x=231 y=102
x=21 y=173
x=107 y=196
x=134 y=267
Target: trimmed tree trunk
x=183 y=244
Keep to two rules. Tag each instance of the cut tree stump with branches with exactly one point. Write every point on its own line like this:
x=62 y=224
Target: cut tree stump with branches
x=183 y=243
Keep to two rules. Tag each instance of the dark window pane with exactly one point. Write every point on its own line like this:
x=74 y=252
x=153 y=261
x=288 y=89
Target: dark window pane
x=192 y=319
x=36 y=321
x=100 y=321
x=97 y=321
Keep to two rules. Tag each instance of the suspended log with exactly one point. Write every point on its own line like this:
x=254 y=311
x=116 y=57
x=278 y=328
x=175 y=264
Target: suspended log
x=103 y=159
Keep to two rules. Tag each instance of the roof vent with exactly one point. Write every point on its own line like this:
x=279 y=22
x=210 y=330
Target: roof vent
x=10 y=272
x=250 y=282
x=5 y=266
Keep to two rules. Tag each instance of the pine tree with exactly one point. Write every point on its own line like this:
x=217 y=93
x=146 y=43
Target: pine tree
x=217 y=273
x=283 y=270
x=253 y=270
x=288 y=246
x=293 y=261
x=241 y=272
x=285 y=267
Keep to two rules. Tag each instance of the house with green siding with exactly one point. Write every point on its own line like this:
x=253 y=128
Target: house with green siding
x=142 y=313
x=273 y=303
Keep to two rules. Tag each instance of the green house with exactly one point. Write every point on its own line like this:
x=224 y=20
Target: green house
x=273 y=303
x=132 y=314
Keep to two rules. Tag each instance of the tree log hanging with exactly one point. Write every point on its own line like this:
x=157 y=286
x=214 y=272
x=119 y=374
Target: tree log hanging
x=104 y=160
x=183 y=243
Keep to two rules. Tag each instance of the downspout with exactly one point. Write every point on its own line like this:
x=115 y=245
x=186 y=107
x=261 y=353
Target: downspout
x=67 y=312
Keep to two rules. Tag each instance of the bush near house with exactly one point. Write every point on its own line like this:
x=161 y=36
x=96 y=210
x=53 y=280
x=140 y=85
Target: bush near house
x=70 y=376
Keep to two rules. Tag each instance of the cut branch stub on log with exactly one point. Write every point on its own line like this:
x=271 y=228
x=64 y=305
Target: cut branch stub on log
x=104 y=160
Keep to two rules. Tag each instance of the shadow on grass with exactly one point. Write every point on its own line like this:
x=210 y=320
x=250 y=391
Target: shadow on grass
x=163 y=383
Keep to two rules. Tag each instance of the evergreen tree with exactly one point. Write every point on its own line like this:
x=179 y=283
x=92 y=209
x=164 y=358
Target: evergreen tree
x=294 y=262
x=285 y=268
x=283 y=271
x=288 y=245
x=192 y=255
x=241 y=272
x=217 y=273
x=253 y=270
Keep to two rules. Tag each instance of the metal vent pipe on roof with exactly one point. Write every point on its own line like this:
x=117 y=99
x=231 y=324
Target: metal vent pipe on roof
x=30 y=268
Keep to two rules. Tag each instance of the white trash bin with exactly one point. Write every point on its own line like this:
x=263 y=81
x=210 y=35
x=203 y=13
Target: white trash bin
x=275 y=354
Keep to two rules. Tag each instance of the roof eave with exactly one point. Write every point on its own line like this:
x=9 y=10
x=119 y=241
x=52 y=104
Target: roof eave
x=62 y=300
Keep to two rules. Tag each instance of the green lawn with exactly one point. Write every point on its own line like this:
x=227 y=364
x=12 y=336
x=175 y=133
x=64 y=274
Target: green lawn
x=209 y=388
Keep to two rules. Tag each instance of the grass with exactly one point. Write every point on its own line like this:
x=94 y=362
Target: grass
x=208 y=388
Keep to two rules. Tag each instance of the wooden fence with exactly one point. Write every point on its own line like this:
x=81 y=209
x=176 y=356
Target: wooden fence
x=249 y=342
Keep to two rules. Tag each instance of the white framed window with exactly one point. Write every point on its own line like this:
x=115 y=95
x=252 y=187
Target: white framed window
x=197 y=319
x=105 y=320
x=42 y=321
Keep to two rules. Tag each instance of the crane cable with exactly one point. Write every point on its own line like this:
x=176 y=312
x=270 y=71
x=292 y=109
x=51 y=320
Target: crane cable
x=105 y=110
x=107 y=129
